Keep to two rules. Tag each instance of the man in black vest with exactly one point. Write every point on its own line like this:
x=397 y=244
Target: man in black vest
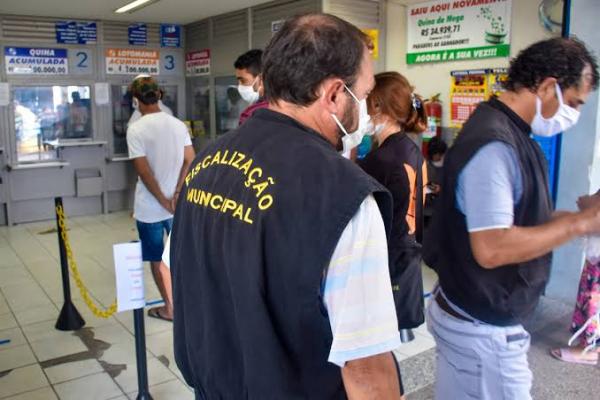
x=494 y=230
x=278 y=251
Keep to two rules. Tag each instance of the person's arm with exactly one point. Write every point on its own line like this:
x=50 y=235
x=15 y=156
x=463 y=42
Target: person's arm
x=371 y=378
x=487 y=196
x=357 y=294
x=497 y=247
x=188 y=157
x=142 y=167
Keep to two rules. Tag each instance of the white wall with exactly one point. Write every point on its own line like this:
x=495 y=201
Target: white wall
x=430 y=79
x=580 y=159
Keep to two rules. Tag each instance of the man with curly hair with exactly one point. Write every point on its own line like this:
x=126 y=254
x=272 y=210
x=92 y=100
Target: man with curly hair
x=494 y=231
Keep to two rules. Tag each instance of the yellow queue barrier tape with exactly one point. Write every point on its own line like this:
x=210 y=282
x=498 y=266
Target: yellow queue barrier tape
x=85 y=294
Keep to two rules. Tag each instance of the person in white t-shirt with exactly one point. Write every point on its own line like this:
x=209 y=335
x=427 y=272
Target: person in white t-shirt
x=161 y=150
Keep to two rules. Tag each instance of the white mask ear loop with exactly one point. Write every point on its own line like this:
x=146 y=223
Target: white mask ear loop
x=336 y=119
x=559 y=94
x=339 y=124
x=352 y=94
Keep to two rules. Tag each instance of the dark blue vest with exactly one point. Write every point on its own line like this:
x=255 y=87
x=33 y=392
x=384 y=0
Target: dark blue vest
x=257 y=222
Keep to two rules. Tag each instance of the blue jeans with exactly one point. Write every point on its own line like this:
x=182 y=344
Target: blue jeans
x=152 y=238
x=477 y=360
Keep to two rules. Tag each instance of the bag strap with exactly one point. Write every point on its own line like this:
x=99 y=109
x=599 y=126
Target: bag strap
x=419 y=201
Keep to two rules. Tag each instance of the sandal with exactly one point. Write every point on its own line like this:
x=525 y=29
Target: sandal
x=572 y=356
x=155 y=313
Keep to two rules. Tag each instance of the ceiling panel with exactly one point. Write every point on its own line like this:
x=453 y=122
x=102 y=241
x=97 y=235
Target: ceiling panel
x=170 y=11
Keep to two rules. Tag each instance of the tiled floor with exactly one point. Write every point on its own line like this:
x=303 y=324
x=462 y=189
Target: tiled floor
x=40 y=362
x=97 y=362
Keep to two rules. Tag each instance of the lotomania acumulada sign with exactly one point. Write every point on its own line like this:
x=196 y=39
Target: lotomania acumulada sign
x=36 y=61
x=451 y=30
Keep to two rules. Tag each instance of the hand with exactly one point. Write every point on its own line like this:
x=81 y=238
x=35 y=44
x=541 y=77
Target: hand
x=585 y=202
x=590 y=219
x=168 y=205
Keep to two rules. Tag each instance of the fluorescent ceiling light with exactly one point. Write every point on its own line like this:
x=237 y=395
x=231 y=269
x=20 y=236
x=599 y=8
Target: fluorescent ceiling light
x=134 y=6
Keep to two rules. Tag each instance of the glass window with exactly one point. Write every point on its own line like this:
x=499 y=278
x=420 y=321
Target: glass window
x=169 y=97
x=45 y=114
x=199 y=109
x=122 y=110
x=229 y=104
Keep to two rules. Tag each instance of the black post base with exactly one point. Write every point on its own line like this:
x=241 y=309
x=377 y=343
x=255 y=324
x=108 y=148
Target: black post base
x=144 y=396
x=69 y=318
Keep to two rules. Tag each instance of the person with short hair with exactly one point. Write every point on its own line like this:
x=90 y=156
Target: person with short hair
x=161 y=150
x=136 y=112
x=494 y=230
x=250 y=86
x=279 y=257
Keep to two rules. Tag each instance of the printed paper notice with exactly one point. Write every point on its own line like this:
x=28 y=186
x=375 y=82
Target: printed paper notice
x=102 y=91
x=129 y=272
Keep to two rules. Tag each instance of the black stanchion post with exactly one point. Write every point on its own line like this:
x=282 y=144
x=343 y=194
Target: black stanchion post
x=69 y=318
x=140 y=355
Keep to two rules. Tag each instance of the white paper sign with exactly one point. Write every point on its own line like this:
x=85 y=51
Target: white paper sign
x=102 y=93
x=4 y=94
x=129 y=272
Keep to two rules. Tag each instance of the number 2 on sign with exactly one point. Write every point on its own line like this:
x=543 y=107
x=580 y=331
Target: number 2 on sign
x=83 y=57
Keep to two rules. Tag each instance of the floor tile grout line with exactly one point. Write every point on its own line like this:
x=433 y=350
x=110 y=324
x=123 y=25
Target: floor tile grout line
x=32 y=352
x=30 y=391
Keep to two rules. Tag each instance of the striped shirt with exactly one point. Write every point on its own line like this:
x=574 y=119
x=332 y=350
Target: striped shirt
x=357 y=290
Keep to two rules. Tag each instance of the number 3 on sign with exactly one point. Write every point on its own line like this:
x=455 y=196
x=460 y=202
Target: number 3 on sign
x=169 y=63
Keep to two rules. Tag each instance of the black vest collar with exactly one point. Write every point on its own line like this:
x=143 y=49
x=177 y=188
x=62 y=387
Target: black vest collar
x=500 y=106
x=274 y=116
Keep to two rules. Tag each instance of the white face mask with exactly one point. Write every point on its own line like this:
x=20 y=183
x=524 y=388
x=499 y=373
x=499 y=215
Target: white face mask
x=438 y=164
x=565 y=118
x=247 y=93
x=135 y=103
x=365 y=127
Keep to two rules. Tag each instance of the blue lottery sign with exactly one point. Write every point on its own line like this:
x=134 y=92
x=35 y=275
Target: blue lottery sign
x=72 y=32
x=170 y=35
x=138 y=34
x=36 y=61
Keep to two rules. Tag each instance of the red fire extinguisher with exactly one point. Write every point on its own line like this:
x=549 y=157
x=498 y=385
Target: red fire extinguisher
x=433 y=108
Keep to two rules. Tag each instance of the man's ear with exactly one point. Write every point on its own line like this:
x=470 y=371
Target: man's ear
x=259 y=83
x=547 y=89
x=330 y=95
